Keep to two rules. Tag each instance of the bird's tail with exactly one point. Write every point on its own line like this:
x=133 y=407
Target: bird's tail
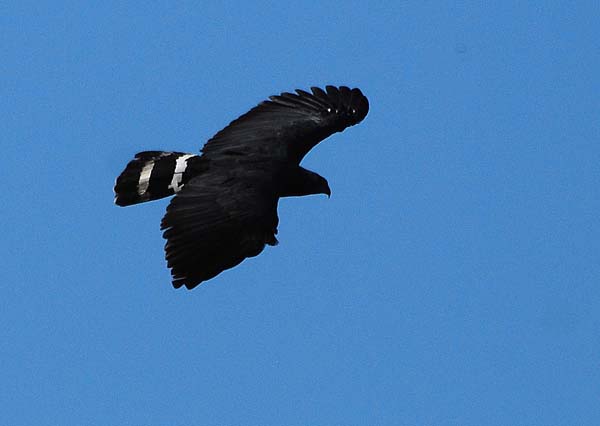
x=154 y=174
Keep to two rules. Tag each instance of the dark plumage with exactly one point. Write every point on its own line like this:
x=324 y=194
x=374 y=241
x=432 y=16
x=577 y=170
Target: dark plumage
x=225 y=209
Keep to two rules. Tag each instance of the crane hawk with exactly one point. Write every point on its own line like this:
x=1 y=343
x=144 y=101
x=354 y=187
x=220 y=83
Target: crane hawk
x=225 y=209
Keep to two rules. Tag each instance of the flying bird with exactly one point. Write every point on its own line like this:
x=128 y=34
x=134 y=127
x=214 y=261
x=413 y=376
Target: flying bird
x=225 y=207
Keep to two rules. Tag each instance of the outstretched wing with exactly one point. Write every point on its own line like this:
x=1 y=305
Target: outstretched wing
x=215 y=222
x=287 y=126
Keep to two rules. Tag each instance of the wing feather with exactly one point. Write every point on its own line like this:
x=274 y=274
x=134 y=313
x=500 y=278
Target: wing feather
x=288 y=125
x=214 y=223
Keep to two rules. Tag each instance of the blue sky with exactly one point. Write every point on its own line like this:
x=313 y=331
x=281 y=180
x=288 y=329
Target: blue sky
x=453 y=278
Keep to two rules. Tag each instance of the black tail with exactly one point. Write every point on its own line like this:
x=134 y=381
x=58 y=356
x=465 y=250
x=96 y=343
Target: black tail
x=155 y=174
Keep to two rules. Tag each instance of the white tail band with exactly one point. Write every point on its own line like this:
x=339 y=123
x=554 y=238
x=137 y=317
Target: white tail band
x=180 y=166
x=145 y=178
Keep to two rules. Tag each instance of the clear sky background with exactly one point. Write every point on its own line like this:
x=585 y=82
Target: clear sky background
x=453 y=278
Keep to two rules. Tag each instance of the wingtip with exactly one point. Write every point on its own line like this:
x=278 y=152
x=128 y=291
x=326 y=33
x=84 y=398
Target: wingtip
x=182 y=282
x=362 y=104
x=352 y=100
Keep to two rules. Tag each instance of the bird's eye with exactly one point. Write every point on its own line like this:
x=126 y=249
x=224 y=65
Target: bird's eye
x=328 y=109
x=353 y=111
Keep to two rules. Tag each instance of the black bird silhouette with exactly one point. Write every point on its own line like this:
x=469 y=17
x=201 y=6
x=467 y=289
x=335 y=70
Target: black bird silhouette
x=225 y=209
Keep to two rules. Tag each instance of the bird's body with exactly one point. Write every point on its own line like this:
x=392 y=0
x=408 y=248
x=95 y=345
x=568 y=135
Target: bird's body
x=225 y=208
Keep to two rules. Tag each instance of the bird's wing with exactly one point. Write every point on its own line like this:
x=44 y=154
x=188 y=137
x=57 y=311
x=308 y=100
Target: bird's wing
x=287 y=126
x=216 y=221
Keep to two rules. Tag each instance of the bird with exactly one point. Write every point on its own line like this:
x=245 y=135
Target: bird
x=225 y=204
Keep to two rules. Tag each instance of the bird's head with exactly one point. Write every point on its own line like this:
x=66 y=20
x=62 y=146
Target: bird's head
x=300 y=181
x=313 y=183
x=321 y=186
x=325 y=188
